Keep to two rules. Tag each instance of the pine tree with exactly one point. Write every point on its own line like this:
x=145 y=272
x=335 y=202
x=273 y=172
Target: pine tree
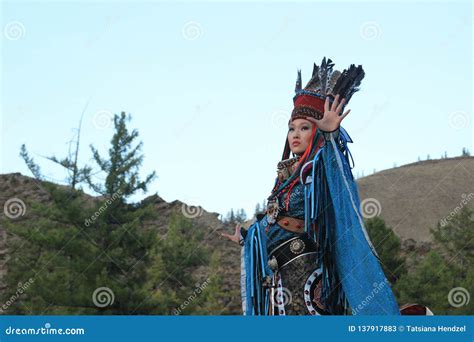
x=78 y=245
x=388 y=247
x=30 y=163
x=260 y=209
x=456 y=236
x=211 y=297
x=120 y=234
x=443 y=279
x=175 y=257
x=241 y=216
x=56 y=254
x=427 y=284
x=257 y=209
x=121 y=168
x=76 y=175
x=231 y=217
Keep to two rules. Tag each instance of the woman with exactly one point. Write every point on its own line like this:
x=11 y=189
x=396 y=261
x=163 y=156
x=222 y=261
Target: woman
x=310 y=254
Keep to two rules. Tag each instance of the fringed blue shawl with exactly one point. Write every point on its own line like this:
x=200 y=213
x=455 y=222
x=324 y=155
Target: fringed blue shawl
x=352 y=273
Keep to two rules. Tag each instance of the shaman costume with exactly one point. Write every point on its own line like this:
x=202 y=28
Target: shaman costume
x=310 y=253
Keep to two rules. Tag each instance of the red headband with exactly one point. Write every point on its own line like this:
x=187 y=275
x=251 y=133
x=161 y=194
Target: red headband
x=314 y=102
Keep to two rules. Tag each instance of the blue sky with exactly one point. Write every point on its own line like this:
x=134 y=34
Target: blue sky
x=209 y=85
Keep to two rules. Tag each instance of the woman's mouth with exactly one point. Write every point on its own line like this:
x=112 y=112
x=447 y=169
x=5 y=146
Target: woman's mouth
x=295 y=143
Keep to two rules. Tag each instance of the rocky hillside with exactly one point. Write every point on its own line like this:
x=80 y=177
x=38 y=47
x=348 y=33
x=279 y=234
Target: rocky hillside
x=16 y=186
x=411 y=199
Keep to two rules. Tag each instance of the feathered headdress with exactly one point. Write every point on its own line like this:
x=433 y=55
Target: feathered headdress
x=325 y=82
x=309 y=101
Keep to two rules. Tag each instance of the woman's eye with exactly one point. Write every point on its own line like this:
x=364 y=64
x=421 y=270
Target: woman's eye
x=290 y=129
x=305 y=127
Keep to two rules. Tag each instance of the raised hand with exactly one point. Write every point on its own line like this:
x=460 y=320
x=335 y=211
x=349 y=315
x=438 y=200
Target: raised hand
x=236 y=237
x=332 y=116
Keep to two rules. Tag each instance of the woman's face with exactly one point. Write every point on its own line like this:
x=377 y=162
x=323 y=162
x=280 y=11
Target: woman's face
x=299 y=135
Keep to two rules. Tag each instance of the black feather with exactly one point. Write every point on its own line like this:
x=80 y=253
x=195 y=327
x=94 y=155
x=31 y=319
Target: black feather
x=298 y=82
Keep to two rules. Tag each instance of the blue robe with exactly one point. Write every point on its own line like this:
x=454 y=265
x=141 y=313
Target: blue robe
x=347 y=257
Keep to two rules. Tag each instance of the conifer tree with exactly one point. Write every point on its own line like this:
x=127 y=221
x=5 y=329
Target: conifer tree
x=388 y=246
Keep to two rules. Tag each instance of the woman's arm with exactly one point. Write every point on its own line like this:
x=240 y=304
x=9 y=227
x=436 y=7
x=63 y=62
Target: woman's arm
x=238 y=235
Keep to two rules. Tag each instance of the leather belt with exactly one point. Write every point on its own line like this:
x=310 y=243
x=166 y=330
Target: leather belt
x=291 y=249
x=291 y=224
